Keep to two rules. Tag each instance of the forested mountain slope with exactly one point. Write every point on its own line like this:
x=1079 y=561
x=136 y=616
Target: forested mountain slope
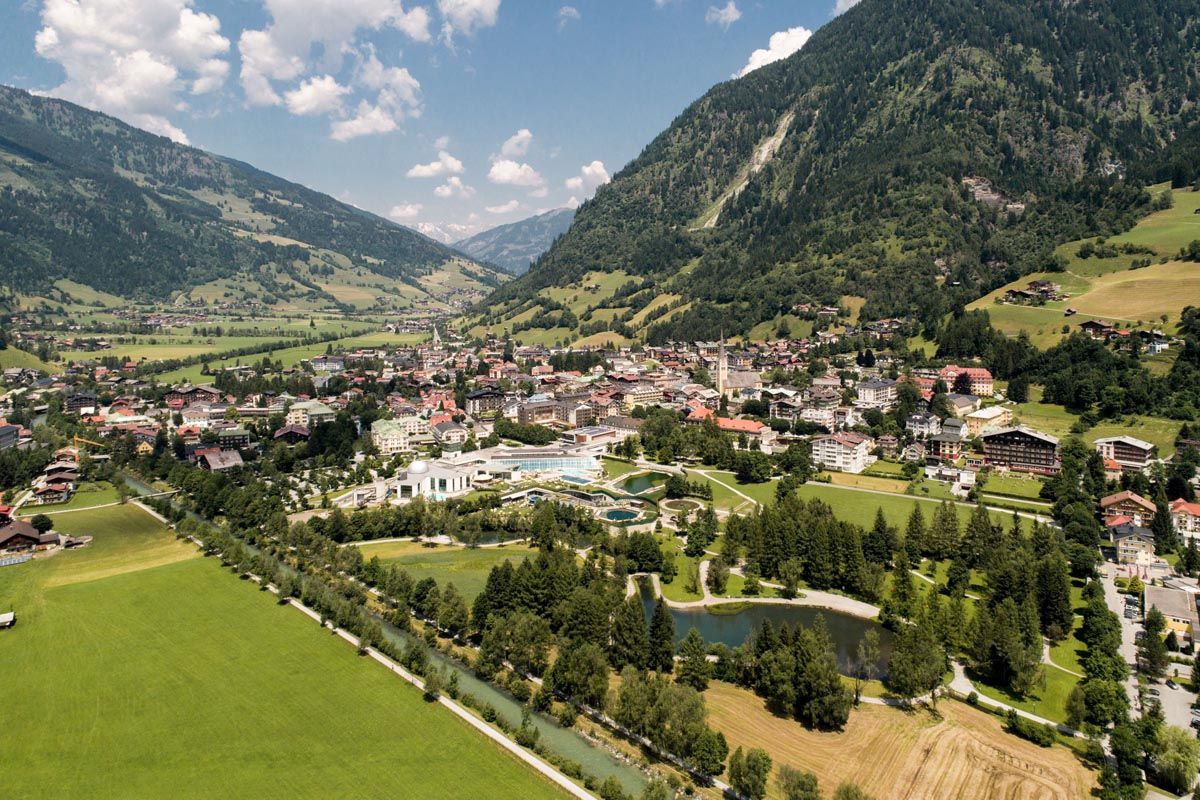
x=514 y=246
x=916 y=153
x=87 y=198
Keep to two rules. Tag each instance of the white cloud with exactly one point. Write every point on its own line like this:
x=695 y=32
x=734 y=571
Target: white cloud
x=441 y=142
x=367 y=120
x=454 y=187
x=444 y=165
x=398 y=90
x=405 y=211
x=842 y=6
x=280 y=51
x=467 y=16
x=542 y=192
x=590 y=176
x=517 y=145
x=133 y=58
x=509 y=173
x=321 y=95
x=726 y=15
x=566 y=15
x=572 y=202
x=781 y=45
x=504 y=208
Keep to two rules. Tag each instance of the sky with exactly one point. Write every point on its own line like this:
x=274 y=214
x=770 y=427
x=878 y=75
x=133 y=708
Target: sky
x=443 y=115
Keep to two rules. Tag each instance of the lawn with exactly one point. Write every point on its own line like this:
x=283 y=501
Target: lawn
x=466 y=568
x=1050 y=701
x=896 y=755
x=179 y=680
x=11 y=357
x=1013 y=485
x=675 y=589
x=86 y=496
x=614 y=467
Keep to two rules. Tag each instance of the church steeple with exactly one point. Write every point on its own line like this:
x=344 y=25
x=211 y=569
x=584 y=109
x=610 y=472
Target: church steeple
x=722 y=367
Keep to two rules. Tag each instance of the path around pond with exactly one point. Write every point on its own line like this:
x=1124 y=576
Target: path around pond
x=811 y=598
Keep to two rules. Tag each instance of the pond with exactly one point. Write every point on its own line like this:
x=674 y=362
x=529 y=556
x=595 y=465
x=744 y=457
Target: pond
x=733 y=629
x=620 y=515
x=641 y=483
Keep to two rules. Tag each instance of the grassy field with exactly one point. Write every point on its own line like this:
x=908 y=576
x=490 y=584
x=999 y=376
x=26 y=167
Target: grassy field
x=175 y=679
x=466 y=568
x=1050 y=701
x=1107 y=288
x=1057 y=421
x=614 y=467
x=12 y=357
x=86 y=496
x=895 y=755
x=290 y=356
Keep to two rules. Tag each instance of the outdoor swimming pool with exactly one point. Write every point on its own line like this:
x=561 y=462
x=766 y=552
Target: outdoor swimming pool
x=620 y=515
x=578 y=480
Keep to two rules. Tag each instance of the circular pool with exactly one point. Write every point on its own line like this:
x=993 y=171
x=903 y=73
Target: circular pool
x=619 y=515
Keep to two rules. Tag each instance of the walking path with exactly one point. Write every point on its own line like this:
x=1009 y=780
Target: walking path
x=811 y=598
x=962 y=686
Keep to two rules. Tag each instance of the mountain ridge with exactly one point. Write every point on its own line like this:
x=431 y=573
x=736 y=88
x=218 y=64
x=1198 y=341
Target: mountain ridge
x=86 y=197
x=893 y=105
x=514 y=245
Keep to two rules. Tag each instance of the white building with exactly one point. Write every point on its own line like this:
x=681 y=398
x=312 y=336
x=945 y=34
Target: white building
x=846 y=452
x=922 y=425
x=880 y=394
x=431 y=481
x=389 y=437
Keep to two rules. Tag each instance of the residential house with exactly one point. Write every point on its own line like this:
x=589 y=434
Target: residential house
x=922 y=425
x=309 y=413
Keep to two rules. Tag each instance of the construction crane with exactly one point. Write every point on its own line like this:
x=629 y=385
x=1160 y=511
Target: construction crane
x=79 y=439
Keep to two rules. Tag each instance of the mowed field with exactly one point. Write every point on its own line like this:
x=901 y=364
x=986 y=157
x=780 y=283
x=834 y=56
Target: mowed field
x=148 y=671
x=466 y=568
x=896 y=755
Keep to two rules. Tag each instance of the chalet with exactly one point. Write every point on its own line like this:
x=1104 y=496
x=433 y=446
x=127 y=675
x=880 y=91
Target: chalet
x=1097 y=329
x=217 y=460
x=80 y=401
x=1136 y=508
x=1022 y=449
x=186 y=396
x=52 y=493
x=17 y=535
x=1134 y=455
x=9 y=436
x=291 y=434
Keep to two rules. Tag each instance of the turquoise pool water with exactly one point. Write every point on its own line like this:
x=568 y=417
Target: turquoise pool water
x=620 y=515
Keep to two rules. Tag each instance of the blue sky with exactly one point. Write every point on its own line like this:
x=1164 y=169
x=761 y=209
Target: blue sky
x=459 y=113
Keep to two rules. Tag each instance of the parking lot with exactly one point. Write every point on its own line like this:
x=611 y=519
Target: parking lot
x=1176 y=702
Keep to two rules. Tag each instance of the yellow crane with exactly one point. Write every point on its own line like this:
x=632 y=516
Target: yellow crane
x=79 y=439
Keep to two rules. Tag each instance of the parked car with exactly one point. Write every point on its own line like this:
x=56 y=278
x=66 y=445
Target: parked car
x=1152 y=692
x=1172 y=684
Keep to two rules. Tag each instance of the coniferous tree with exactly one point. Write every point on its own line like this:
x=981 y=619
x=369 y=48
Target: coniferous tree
x=662 y=639
x=629 y=642
x=694 y=668
x=915 y=533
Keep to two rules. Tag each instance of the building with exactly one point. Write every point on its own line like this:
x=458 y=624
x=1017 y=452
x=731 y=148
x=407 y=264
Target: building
x=9 y=436
x=980 y=379
x=1135 y=545
x=450 y=434
x=1134 y=507
x=1177 y=605
x=233 y=438
x=292 y=434
x=847 y=452
x=309 y=413
x=880 y=394
x=754 y=431
x=1022 y=449
x=389 y=437
x=217 y=460
x=592 y=434
x=987 y=419
x=1134 y=455
x=484 y=401
x=922 y=425
x=431 y=481
x=1186 y=518
x=80 y=401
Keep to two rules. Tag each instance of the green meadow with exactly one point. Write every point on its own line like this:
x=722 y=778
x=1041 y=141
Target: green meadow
x=466 y=568
x=145 y=670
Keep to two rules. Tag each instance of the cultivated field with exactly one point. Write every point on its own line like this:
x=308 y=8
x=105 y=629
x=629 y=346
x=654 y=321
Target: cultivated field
x=178 y=680
x=894 y=755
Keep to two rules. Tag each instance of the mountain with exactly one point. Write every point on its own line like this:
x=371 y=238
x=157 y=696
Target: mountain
x=912 y=156
x=445 y=232
x=89 y=199
x=513 y=247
